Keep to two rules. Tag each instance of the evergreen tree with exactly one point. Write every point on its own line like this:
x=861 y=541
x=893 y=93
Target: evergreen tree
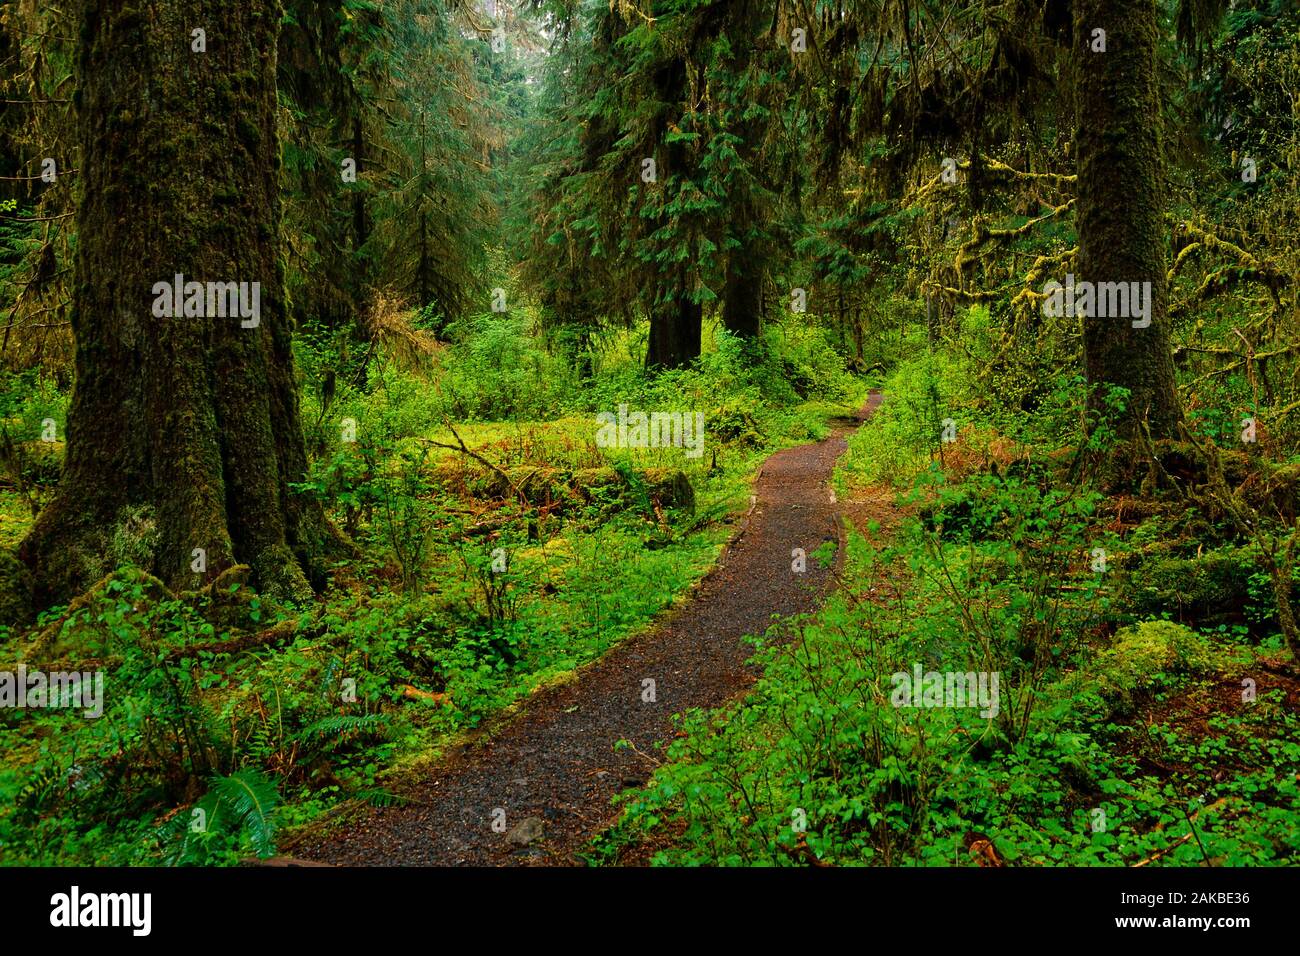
x=189 y=420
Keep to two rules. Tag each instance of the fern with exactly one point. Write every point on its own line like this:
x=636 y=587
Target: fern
x=251 y=798
x=341 y=727
x=244 y=802
x=382 y=798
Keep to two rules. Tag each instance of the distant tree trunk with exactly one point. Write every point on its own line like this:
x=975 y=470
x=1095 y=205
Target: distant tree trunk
x=841 y=319
x=422 y=269
x=674 y=334
x=1121 y=197
x=360 y=214
x=742 y=298
x=311 y=76
x=742 y=291
x=189 y=423
x=583 y=346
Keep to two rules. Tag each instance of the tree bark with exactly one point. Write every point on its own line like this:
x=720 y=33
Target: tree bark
x=674 y=334
x=742 y=297
x=742 y=288
x=190 y=424
x=1121 y=204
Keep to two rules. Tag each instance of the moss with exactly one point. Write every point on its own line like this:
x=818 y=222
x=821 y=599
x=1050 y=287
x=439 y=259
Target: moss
x=127 y=20
x=1133 y=663
x=729 y=423
x=15 y=591
x=249 y=135
x=671 y=488
x=135 y=537
x=57 y=642
x=279 y=577
x=1212 y=588
x=227 y=602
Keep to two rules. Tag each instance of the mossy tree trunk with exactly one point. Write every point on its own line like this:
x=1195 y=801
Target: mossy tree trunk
x=1121 y=205
x=192 y=422
x=675 y=320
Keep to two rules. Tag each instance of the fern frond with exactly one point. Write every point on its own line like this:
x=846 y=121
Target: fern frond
x=341 y=726
x=251 y=797
x=382 y=798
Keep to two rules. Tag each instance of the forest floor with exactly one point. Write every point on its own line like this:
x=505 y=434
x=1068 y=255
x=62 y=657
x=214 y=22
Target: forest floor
x=536 y=785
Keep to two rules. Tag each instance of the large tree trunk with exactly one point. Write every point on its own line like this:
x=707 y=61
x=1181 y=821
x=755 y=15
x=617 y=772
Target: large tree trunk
x=675 y=321
x=1121 y=197
x=742 y=289
x=674 y=334
x=191 y=424
x=742 y=295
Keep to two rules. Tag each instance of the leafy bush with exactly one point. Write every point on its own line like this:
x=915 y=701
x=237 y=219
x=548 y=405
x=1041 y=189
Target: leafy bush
x=907 y=429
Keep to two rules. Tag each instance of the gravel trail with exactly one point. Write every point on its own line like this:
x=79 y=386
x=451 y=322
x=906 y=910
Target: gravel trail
x=552 y=766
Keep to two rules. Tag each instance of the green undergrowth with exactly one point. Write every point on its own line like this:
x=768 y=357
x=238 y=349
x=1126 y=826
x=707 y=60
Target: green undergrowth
x=1147 y=711
x=230 y=723
x=1107 y=749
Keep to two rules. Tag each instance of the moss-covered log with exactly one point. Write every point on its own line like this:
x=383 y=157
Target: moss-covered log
x=1212 y=589
x=191 y=421
x=554 y=487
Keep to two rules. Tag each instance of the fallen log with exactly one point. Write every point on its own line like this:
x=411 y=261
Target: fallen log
x=546 y=487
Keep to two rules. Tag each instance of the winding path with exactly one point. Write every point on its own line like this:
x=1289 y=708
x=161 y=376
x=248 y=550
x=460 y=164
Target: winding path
x=552 y=765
